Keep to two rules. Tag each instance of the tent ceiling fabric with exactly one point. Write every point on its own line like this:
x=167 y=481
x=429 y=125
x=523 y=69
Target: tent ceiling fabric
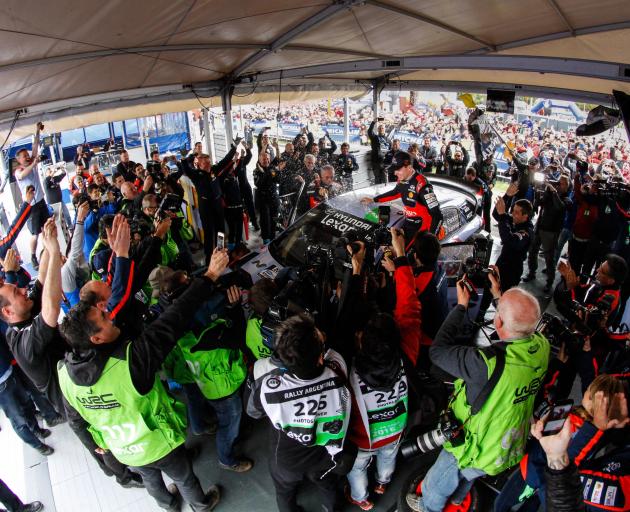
x=55 y=54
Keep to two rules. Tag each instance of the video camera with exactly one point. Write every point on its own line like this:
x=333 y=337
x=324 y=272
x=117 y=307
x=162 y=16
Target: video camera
x=558 y=333
x=382 y=234
x=449 y=429
x=612 y=188
x=588 y=319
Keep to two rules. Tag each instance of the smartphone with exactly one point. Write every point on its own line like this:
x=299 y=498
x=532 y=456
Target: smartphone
x=557 y=416
x=220 y=241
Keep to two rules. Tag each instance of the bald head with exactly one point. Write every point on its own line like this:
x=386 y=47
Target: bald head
x=128 y=191
x=518 y=314
x=96 y=293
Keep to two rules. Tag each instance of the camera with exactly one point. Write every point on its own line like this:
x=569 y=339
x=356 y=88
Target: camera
x=449 y=429
x=558 y=332
x=612 y=189
x=382 y=235
x=588 y=319
x=171 y=203
x=475 y=267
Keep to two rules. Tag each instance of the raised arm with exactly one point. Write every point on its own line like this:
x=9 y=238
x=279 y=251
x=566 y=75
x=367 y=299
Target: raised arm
x=52 y=295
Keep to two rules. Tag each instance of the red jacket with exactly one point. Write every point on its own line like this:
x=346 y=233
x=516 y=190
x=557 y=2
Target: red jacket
x=586 y=214
x=407 y=313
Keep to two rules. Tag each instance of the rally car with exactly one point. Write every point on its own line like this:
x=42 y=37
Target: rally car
x=323 y=226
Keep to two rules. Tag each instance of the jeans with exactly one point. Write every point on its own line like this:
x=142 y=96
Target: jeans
x=179 y=468
x=445 y=481
x=15 y=403
x=44 y=406
x=9 y=499
x=385 y=465
x=229 y=412
x=548 y=240
x=197 y=408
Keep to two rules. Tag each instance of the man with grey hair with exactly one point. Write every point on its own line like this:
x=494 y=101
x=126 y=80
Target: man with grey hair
x=323 y=187
x=494 y=394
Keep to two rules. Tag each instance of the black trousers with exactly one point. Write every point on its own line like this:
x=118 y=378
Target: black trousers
x=9 y=499
x=286 y=481
x=577 y=255
x=267 y=207
x=234 y=219
x=596 y=251
x=378 y=171
x=487 y=216
x=178 y=467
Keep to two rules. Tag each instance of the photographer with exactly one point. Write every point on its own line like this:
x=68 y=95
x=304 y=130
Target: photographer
x=307 y=433
x=126 y=167
x=420 y=205
x=516 y=234
x=380 y=145
x=587 y=211
x=265 y=145
x=131 y=202
x=594 y=433
x=151 y=215
x=430 y=154
x=155 y=163
x=346 y=164
x=54 y=197
x=326 y=148
x=554 y=204
x=323 y=189
x=389 y=158
x=488 y=402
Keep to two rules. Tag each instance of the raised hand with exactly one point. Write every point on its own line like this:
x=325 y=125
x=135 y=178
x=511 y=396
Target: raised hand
x=49 y=236
x=119 y=236
x=218 y=263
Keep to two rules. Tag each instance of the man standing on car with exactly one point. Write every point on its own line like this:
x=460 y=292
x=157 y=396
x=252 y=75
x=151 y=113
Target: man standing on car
x=421 y=207
x=494 y=395
x=26 y=177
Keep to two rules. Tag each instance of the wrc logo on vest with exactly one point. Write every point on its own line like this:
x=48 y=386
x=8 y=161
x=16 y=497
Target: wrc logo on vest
x=104 y=401
x=522 y=394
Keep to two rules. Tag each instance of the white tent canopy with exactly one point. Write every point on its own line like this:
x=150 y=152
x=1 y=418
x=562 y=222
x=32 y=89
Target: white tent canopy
x=76 y=63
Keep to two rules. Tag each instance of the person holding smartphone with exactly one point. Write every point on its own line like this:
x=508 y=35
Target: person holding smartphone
x=596 y=426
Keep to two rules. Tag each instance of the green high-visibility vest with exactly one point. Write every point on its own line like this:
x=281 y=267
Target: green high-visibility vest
x=495 y=437
x=218 y=372
x=254 y=339
x=137 y=429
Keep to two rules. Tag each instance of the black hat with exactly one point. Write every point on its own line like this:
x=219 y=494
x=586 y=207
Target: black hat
x=401 y=159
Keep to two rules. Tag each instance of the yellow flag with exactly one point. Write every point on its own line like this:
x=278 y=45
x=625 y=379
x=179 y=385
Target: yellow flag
x=467 y=99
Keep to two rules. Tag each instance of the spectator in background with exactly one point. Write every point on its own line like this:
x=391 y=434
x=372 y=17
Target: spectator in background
x=83 y=156
x=125 y=167
x=27 y=177
x=54 y=196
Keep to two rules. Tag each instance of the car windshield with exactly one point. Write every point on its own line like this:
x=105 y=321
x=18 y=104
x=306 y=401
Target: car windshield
x=321 y=227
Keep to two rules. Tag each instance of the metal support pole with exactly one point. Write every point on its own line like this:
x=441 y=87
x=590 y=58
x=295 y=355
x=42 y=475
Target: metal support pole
x=346 y=120
x=207 y=135
x=376 y=92
x=226 y=101
x=124 y=135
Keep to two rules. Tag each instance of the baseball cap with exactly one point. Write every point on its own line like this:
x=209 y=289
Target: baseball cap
x=401 y=159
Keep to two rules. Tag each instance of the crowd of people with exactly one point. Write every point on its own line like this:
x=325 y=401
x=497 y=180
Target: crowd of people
x=106 y=332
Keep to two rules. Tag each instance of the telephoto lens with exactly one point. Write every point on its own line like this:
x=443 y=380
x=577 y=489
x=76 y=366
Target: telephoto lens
x=424 y=443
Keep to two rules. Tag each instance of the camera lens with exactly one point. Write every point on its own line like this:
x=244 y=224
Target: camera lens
x=424 y=443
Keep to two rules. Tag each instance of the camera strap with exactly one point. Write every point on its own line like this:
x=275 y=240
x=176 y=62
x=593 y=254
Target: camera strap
x=482 y=397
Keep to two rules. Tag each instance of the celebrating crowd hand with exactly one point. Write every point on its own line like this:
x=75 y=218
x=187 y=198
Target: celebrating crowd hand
x=233 y=295
x=10 y=262
x=568 y=273
x=218 y=263
x=82 y=211
x=603 y=410
x=555 y=446
x=398 y=242
x=366 y=201
x=357 y=257
x=49 y=235
x=500 y=206
x=512 y=189
x=40 y=126
x=388 y=264
x=120 y=237
x=148 y=183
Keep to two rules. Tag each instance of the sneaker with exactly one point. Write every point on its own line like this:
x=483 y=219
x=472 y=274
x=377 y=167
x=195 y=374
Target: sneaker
x=363 y=505
x=43 y=433
x=380 y=489
x=57 y=420
x=35 y=506
x=213 y=496
x=415 y=502
x=135 y=481
x=241 y=466
x=210 y=430
x=529 y=277
x=45 y=450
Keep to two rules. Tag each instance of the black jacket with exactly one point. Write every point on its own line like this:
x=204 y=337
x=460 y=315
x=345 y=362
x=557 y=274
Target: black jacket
x=564 y=491
x=554 y=208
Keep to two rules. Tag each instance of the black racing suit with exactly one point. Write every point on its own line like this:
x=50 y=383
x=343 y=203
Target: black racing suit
x=421 y=207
